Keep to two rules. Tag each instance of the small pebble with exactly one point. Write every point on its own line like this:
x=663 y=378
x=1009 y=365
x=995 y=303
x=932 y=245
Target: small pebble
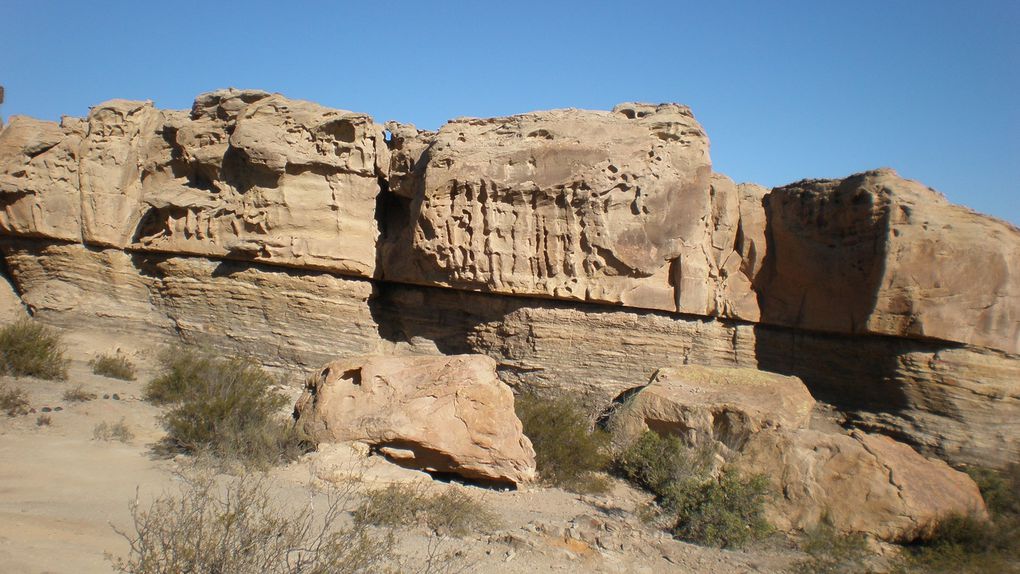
x=106 y=396
x=46 y=409
x=55 y=409
x=115 y=397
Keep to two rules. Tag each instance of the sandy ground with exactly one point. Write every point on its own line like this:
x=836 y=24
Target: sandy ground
x=62 y=492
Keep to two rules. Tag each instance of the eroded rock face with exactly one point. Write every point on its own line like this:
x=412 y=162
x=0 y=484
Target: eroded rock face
x=612 y=207
x=876 y=253
x=39 y=195
x=722 y=404
x=438 y=413
x=246 y=175
x=584 y=249
x=858 y=483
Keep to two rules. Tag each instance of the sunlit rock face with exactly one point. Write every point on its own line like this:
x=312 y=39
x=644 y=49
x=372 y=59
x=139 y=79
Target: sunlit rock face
x=582 y=250
x=876 y=253
x=613 y=207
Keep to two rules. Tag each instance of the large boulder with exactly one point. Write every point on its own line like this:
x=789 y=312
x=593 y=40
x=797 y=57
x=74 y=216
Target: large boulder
x=860 y=482
x=723 y=404
x=613 y=207
x=439 y=413
x=876 y=253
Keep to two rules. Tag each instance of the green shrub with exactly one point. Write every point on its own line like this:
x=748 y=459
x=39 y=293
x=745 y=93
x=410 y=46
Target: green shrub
x=656 y=463
x=78 y=394
x=569 y=454
x=30 y=349
x=225 y=407
x=970 y=544
x=242 y=528
x=727 y=512
x=13 y=401
x=450 y=512
x=113 y=366
x=118 y=431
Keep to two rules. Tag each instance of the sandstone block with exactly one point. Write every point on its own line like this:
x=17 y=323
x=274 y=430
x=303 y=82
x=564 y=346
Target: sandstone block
x=442 y=414
x=876 y=253
x=724 y=404
x=859 y=483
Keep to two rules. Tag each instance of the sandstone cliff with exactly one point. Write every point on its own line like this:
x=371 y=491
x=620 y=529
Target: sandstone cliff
x=579 y=249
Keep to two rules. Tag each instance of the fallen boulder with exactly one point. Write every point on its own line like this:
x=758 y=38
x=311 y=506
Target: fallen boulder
x=723 y=404
x=860 y=482
x=447 y=414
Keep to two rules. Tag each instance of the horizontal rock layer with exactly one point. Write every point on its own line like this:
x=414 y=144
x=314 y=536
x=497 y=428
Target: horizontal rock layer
x=581 y=250
x=959 y=402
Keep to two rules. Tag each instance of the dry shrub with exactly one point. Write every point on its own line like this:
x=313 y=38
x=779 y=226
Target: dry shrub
x=30 y=349
x=726 y=511
x=568 y=452
x=832 y=552
x=225 y=407
x=115 y=366
x=118 y=431
x=240 y=528
x=13 y=401
x=449 y=512
x=78 y=394
x=43 y=421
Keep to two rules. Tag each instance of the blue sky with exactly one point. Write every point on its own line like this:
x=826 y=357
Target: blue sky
x=786 y=90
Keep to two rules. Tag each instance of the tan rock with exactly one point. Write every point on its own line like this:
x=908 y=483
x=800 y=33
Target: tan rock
x=568 y=204
x=443 y=414
x=875 y=253
x=723 y=404
x=247 y=175
x=39 y=194
x=858 y=483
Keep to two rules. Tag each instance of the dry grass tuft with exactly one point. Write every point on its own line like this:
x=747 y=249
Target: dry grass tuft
x=30 y=349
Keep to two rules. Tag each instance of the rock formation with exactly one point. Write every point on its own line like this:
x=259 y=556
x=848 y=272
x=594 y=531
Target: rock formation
x=580 y=250
x=858 y=483
x=718 y=404
x=762 y=424
x=443 y=414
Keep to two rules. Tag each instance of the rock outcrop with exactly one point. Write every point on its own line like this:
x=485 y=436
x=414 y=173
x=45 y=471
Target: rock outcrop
x=578 y=249
x=447 y=414
x=715 y=404
x=858 y=483
x=875 y=253
x=612 y=207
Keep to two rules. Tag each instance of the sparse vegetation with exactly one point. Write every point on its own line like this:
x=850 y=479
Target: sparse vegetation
x=13 y=401
x=78 y=394
x=43 y=421
x=30 y=349
x=118 y=431
x=115 y=366
x=971 y=544
x=832 y=552
x=240 y=528
x=450 y=512
x=569 y=454
x=726 y=511
x=657 y=463
x=225 y=407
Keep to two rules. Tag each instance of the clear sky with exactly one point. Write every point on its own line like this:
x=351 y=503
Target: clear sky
x=787 y=89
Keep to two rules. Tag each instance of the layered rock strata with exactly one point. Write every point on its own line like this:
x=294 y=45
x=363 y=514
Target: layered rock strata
x=580 y=250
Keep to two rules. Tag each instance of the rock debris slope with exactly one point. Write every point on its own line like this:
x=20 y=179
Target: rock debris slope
x=579 y=249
